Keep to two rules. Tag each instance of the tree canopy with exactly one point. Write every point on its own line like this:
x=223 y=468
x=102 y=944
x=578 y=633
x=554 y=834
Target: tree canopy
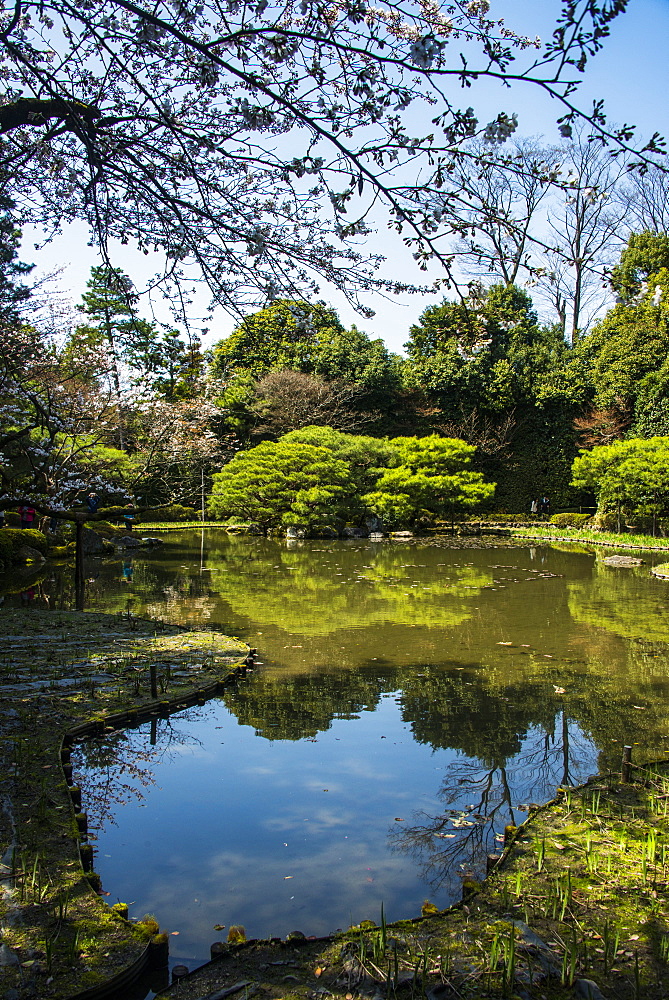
x=320 y=478
x=630 y=476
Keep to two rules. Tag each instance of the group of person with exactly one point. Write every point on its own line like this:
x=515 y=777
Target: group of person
x=26 y=513
x=541 y=508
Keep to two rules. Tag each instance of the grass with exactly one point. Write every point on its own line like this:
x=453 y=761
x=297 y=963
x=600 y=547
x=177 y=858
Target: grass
x=146 y=528
x=612 y=538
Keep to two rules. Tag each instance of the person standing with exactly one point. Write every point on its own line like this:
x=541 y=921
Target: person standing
x=27 y=515
x=534 y=508
x=128 y=519
x=92 y=502
x=545 y=506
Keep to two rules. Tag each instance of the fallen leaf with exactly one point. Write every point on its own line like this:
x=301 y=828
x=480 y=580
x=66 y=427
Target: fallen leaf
x=174 y=933
x=398 y=819
x=504 y=643
x=318 y=972
x=559 y=690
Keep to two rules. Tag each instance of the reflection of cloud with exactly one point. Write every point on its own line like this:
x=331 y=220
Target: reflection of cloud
x=258 y=771
x=327 y=890
x=320 y=820
x=317 y=786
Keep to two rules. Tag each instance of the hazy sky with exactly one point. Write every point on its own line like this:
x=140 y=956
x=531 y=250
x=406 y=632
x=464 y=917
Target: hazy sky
x=631 y=74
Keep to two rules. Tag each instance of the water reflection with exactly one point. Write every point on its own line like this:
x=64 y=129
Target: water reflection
x=410 y=700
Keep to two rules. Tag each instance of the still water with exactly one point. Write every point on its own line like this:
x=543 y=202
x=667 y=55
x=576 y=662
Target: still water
x=412 y=699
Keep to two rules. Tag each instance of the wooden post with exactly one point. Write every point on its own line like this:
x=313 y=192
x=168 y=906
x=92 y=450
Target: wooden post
x=153 y=736
x=217 y=949
x=490 y=862
x=154 y=680
x=626 y=771
x=179 y=972
x=79 y=584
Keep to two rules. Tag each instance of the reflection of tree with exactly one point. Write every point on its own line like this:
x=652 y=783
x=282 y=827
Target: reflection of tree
x=464 y=710
x=481 y=800
x=111 y=770
x=615 y=600
x=295 y=707
x=390 y=587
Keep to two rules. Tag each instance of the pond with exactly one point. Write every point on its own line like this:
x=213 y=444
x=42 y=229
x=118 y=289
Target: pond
x=412 y=698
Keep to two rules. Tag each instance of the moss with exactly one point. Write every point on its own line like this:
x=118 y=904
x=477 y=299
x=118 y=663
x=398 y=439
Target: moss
x=13 y=539
x=148 y=925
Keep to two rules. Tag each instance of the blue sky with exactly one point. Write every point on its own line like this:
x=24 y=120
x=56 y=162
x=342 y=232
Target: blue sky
x=631 y=74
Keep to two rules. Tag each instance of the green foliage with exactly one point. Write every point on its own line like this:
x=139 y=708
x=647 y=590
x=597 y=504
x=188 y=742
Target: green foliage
x=366 y=456
x=301 y=337
x=630 y=475
x=489 y=357
x=627 y=347
x=284 y=335
x=569 y=520
x=280 y=484
x=433 y=479
x=173 y=512
x=645 y=255
x=318 y=477
x=13 y=294
x=486 y=352
x=110 y=305
x=13 y=539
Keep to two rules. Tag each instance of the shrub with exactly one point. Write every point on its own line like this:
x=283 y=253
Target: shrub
x=105 y=529
x=568 y=520
x=12 y=539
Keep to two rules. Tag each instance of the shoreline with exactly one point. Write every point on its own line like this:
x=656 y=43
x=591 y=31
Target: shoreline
x=67 y=675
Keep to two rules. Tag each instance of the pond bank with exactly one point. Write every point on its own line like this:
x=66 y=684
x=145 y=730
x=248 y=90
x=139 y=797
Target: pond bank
x=581 y=539
x=577 y=906
x=58 y=671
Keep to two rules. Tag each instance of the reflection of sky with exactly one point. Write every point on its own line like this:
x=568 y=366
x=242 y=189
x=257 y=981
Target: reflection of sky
x=270 y=836
x=279 y=836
